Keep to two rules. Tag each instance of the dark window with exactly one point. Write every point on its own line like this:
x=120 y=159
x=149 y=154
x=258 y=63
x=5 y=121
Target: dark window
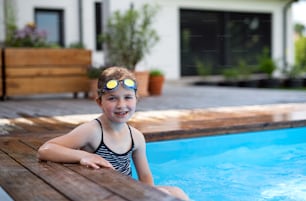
x=220 y=40
x=53 y=23
x=98 y=24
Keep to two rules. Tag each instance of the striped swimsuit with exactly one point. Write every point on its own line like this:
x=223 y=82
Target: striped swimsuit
x=121 y=162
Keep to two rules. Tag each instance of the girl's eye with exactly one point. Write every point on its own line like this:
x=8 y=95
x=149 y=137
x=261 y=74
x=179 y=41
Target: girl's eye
x=129 y=97
x=111 y=98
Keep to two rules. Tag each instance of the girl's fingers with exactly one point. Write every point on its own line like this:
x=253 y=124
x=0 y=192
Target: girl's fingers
x=106 y=164
x=95 y=162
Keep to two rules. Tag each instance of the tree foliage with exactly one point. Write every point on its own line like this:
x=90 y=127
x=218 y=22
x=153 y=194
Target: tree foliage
x=130 y=36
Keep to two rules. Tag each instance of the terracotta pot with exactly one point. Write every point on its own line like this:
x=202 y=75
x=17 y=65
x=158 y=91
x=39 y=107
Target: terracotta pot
x=156 y=85
x=142 y=78
x=93 y=86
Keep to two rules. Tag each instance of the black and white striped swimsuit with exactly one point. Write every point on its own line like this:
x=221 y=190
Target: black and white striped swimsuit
x=121 y=162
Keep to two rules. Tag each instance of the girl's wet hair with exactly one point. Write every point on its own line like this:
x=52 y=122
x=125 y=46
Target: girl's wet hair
x=113 y=73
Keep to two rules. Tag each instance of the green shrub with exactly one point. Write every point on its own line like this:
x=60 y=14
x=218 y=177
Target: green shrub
x=202 y=68
x=156 y=72
x=300 y=53
x=130 y=36
x=94 y=72
x=266 y=63
x=77 y=45
x=231 y=74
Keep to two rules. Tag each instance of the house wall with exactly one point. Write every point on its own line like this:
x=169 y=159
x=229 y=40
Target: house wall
x=89 y=30
x=2 y=28
x=166 y=54
x=25 y=14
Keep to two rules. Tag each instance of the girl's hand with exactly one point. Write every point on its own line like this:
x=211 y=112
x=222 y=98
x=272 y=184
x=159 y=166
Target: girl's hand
x=95 y=161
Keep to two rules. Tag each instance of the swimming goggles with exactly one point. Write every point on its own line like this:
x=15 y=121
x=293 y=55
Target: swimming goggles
x=127 y=83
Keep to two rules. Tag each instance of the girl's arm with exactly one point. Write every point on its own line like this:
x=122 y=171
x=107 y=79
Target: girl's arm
x=140 y=159
x=67 y=148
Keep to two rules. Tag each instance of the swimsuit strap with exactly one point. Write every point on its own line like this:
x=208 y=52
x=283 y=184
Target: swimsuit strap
x=127 y=125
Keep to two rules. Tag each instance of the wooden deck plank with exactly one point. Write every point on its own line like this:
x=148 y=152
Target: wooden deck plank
x=72 y=180
x=47 y=123
x=33 y=124
x=112 y=181
x=156 y=126
x=55 y=174
x=114 y=198
x=21 y=184
x=34 y=142
x=4 y=196
x=75 y=187
x=124 y=185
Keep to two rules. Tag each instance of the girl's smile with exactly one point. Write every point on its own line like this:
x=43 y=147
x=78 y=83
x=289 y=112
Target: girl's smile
x=120 y=114
x=119 y=105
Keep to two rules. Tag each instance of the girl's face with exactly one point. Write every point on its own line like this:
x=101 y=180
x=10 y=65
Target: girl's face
x=119 y=105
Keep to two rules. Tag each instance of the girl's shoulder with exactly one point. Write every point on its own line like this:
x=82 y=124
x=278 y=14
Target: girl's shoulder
x=89 y=133
x=87 y=130
x=91 y=125
x=135 y=131
x=138 y=136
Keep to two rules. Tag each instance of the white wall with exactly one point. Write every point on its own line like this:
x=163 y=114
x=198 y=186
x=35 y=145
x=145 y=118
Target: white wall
x=25 y=14
x=89 y=31
x=2 y=23
x=290 y=38
x=166 y=54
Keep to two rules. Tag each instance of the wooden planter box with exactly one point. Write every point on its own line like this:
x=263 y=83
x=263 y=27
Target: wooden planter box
x=45 y=70
x=1 y=77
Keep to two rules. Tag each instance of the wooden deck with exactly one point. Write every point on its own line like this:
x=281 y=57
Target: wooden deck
x=23 y=177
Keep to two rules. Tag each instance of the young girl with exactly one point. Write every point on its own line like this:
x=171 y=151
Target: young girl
x=108 y=141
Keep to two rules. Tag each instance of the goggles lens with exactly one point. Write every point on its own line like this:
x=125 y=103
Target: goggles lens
x=126 y=83
x=129 y=83
x=112 y=84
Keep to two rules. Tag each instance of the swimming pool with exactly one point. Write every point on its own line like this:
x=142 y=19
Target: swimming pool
x=265 y=165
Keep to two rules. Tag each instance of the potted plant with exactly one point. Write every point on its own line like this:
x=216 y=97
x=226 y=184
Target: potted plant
x=267 y=65
x=294 y=77
x=156 y=82
x=231 y=77
x=246 y=71
x=93 y=74
x=129 y=36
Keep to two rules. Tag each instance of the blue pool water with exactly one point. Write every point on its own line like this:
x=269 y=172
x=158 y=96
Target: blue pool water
x=265 y=165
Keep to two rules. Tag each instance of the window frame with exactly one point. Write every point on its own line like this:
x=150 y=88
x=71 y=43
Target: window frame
x=60 y=24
